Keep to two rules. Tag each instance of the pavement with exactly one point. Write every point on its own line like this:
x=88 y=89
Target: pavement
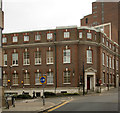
x=37 y=104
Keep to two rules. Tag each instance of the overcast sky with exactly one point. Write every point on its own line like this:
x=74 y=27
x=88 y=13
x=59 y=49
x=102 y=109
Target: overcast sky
x=26 y=15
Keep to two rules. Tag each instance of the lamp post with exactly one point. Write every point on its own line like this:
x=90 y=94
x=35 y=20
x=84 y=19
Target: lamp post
x=22 y=82
x=55 y=65
x=10 y=77
x=83 y=81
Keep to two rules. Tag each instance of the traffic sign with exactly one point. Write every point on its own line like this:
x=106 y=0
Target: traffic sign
x=43 y=79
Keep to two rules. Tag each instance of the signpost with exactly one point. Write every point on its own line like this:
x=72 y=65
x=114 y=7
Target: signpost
x=43 y=81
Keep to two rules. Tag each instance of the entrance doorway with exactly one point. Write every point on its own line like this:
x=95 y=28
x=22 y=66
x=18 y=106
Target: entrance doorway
x=88 y=83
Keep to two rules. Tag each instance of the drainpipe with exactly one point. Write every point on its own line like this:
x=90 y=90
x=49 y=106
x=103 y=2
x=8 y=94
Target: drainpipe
x=55 y=65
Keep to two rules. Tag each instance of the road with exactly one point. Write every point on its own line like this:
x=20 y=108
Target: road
x=107 y=101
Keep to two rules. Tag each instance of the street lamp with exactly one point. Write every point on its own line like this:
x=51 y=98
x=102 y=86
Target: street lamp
x=22 y=82
x=9 y=81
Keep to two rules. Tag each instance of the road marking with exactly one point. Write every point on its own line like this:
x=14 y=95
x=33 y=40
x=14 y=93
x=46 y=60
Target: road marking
x=59 y=105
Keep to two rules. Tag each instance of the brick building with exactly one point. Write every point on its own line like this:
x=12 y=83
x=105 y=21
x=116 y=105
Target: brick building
x=59 y=53
x=105 y=16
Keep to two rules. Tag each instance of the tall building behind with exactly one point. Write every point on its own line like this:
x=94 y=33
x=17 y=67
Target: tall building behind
x=105 y=16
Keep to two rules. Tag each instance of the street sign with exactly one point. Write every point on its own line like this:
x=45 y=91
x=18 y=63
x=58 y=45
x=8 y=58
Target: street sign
x=43 y=79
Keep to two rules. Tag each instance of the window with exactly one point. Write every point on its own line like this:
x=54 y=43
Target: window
x=66 y=56
x=50 y=78
x=26 y=79
x=5 y=80
x=110 y=60
x=113 y=62
x=37 y=37
x=95 y=36
x=86 y=20
x=49 y=36
x=26 y=60
x=89 y=56
x=49 y=58
x=110 y=78
x=15 y=59
x=110 y=45
x=26 y=38
x=15 y=39
x=103 y=58
x=103 y=78
x=103 y=40
x=5 y=59
x=66 y=77
x=66 y=34
x=80 y=34
x=113 y=47
x=37 y=57
x=37 y=77
x=15 y=79
x=4 y=40
x=106 y=43
x=107 y=79
x=116 y=64
x=107 y=61
x=89 y=36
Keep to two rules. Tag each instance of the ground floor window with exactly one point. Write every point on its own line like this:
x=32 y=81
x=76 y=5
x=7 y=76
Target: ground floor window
x=50 y=78
x=37 y=78
x=15 y=79
x=66 y=77
x=26 y=79
x=4 y=79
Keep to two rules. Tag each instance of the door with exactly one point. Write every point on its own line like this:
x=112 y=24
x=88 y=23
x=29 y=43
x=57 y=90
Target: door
x=88 y=83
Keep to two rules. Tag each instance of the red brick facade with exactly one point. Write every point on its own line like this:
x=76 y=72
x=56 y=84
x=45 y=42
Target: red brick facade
x=78 y=54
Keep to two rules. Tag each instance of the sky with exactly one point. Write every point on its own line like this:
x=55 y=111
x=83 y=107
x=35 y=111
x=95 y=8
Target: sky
x=28 y=15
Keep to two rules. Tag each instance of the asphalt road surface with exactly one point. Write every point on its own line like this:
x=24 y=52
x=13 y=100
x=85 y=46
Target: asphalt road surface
x=107 y=101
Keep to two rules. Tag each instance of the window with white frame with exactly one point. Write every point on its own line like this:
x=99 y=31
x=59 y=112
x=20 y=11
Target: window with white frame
x=95 y=36
x=66 y=34
x=66 y=56
x=5 y=79
x=107 y=59
x=26 y=58
x=15 y=79
x=106 y=43
x=15 y=59
x=103 y=58
x=110 y=62
x=4 y=40
x=89 y=36
x=26 y=79
x=110 y=45
x=15 y=39
x=113 y=47
x=103 y=78
x=80 y=34
x=116 y=64
x=37 y=77
x=37 y=57
x=66 y=77
x=49 y=36
x=89 y=56
x=26 y=38
x=5 y=59
x=103 y=40
x=49 y=57
x=113 y=63
x=37 y=37
x=50 y=78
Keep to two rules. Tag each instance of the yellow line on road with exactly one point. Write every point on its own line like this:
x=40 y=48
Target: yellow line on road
x=59 y=105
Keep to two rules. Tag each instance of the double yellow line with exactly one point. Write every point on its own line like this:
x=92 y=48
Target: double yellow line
x=59 y=105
